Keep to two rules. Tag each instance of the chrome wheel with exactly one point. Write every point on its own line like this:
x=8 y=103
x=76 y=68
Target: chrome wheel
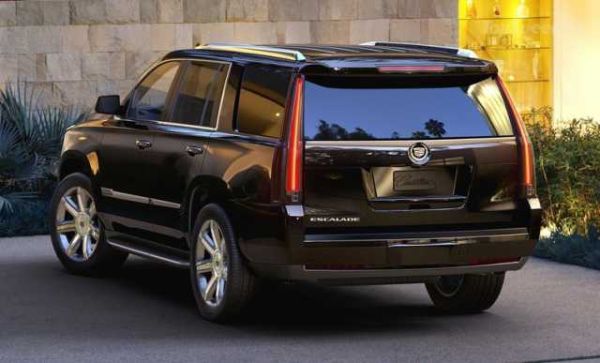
x=211 y=263
x=77 y=224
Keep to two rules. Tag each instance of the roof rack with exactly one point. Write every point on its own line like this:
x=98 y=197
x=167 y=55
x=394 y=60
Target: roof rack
x=261 y=50
x=432 y=48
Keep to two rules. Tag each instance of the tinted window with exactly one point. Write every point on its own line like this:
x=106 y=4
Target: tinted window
x=353 y=112
x=150 y=97
x=199 y=96
x=261 y=108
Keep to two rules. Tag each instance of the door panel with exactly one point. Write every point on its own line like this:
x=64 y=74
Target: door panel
x=173 y=170
x=128 y=159
x=125 y=167
x=180 y=143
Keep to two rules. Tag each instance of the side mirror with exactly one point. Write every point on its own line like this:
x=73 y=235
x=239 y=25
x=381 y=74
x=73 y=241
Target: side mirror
x=110 y=104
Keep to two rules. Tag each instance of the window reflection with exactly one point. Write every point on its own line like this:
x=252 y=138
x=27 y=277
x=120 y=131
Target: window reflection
x=150 y=97
x=261 y=107
x=349 y=113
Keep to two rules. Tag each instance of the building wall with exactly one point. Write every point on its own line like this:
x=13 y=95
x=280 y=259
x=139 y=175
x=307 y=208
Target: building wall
x=576 y=57
x=74 y=50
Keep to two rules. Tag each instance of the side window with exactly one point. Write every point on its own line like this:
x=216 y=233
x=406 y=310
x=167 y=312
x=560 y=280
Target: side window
x=261 y=107
x=199 y=95
x=150 y=97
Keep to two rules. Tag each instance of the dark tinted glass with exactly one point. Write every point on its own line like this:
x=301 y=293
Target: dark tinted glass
x=261 y=108
x=150 y=97
x=449 y=111
x=199 y=95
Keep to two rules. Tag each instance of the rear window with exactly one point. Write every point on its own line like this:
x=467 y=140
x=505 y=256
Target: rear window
x=395 y=109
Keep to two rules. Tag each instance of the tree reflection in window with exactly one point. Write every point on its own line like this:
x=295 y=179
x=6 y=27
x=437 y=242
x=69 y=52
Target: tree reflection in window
x=332 y=131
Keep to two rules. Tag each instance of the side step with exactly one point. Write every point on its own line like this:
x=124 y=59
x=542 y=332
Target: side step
x=153 y=254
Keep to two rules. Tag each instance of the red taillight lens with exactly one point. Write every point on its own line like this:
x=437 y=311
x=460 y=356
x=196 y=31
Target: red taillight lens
x=293 y=176
x=525 y=146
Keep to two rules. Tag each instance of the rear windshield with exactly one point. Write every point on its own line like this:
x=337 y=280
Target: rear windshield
x=373 y=110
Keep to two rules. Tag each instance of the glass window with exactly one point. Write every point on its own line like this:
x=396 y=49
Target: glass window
x=261 y=108
x=363 y=110
x=150 y=97
x=199 y=96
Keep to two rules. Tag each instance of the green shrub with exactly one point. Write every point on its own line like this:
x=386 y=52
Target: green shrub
x=568 y=179
x=568 y=175
x=30 y=144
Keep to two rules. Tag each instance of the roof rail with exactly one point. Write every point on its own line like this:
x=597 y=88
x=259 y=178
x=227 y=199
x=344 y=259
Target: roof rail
x=433 y=48
x=261 y=50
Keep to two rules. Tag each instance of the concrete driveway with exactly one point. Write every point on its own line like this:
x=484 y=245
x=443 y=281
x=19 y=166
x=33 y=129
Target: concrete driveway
x=146 y=313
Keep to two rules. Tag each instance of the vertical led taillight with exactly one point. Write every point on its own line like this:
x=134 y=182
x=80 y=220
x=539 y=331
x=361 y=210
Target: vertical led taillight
x=525 y=146
x=293 y=174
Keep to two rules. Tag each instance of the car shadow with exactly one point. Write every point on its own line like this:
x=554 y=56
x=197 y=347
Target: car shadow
x=294 y=307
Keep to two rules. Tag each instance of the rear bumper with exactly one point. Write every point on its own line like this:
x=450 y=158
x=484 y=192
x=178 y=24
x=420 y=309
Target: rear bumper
x=402 y=258
x=393 y=257
x=381 y=276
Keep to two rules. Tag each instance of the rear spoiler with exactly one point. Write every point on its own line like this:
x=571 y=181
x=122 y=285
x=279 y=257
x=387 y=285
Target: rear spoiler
x=430 y=48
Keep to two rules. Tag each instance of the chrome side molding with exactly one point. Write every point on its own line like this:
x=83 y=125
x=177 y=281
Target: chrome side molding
x=110 y=193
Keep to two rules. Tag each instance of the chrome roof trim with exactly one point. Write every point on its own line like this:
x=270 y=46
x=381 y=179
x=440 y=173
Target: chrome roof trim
x=458 y=51
x=260 y=50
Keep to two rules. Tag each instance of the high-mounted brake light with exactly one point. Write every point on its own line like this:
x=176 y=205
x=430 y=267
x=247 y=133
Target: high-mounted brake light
x=525 y=146
x=293 y=175
x=411 y=69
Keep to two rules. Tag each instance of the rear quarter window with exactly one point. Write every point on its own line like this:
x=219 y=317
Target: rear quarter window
x=395 y=110
x=261 y=107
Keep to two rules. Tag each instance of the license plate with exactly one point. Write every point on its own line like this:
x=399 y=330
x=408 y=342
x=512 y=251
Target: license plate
x=437 y=181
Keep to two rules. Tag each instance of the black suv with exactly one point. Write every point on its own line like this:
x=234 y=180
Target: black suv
x=372 y=164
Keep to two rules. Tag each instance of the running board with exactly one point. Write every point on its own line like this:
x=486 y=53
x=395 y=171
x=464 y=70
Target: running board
x=159 y=256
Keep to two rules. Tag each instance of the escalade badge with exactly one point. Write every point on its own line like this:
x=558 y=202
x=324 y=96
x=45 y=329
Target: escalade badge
x=419 y=153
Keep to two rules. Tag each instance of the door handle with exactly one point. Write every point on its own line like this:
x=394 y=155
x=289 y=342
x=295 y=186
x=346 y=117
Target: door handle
x=194 y=150
x=143 y=144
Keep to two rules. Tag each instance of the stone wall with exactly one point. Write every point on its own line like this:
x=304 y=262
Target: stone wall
x=74 y=50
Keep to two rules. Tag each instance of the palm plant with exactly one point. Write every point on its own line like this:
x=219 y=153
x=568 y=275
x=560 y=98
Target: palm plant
x=30 y=143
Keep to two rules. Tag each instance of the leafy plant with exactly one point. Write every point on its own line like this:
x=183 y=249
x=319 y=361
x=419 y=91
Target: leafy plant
x=30 y=143
x=568 y=175
x=541 y=116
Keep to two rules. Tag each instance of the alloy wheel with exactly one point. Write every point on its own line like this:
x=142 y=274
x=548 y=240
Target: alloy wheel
x=77 y=224
x=211 y=262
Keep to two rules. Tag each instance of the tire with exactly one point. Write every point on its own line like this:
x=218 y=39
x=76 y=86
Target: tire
x=234 y=284
x=465 y=293
x=94 y=257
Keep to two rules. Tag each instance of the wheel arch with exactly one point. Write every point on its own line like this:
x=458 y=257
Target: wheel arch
x=202 y=191
x=73 y=161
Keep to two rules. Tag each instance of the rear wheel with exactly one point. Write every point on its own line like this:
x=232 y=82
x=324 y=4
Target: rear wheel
x=76 y=231
x=465 y=293
x=221 y=282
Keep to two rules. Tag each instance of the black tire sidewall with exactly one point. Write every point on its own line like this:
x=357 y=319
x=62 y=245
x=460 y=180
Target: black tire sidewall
x=476 y=293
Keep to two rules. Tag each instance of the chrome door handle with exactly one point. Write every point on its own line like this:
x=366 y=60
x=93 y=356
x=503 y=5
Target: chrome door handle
x=194 y=150
x=143 y=144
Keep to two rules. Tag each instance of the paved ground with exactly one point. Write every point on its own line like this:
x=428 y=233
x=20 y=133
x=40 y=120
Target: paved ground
x=146 y=313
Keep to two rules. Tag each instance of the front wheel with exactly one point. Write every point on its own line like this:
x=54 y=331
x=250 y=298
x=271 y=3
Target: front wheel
x=76 y=231
x=465 y=293
x=221 y=282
